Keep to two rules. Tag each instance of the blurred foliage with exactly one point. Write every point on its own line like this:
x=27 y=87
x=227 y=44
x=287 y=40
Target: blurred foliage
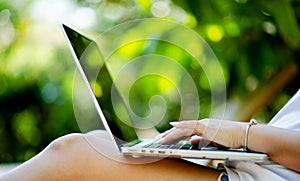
x=253 y=40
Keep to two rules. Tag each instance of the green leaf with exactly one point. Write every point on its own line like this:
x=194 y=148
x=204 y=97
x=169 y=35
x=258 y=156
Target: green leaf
x=285 y=18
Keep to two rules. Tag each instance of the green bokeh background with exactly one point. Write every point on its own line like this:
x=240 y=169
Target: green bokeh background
x=256 y=41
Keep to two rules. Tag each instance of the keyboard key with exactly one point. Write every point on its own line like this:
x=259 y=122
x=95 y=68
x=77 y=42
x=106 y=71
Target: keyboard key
x=165 y=146
x=152 y=145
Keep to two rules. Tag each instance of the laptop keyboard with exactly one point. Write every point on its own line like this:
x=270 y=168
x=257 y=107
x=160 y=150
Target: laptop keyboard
x=182 y=145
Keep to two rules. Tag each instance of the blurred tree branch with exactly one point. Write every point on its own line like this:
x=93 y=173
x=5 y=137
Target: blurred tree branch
x=266 y=93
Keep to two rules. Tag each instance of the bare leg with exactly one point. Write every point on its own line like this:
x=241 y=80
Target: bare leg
x=72 y=157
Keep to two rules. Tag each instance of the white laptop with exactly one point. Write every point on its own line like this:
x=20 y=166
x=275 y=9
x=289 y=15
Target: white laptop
x=125 y=137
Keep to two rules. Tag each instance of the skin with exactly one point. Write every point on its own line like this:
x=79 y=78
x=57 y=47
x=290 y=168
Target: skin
x=281 y=145
x=92 y=156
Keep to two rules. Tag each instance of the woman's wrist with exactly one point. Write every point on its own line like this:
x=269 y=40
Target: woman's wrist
x=241 y=134
x=247 y=130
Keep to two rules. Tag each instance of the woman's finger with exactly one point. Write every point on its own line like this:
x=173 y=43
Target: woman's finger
x=161 y=135
x=188 y=124
x=181 y=129
x=198 y=139
x=176 y=135
x=202 y=142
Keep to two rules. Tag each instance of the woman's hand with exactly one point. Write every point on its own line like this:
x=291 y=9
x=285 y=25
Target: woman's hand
x=220 y=132
x=281 y=145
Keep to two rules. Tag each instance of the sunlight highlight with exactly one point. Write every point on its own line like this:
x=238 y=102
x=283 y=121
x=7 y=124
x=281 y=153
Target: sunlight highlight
x=214 y=32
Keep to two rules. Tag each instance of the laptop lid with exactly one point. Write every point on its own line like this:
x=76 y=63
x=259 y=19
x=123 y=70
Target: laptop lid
x=85 y=51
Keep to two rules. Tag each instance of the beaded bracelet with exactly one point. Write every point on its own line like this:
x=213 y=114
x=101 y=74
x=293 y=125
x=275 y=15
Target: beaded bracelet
x=252 y=122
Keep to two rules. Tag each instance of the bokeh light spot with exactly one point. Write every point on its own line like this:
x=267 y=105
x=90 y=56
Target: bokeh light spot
x=24 y=124
x=97 y=89
x=164 y=85
x=50 y=93
x=160 y=9
x=269 y=28
x=214 y=32
x=232 y=29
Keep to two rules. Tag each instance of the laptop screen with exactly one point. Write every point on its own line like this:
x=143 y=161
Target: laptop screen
x=95 y=69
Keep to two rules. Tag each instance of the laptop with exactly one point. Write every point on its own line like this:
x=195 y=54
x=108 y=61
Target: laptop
x=123 y=134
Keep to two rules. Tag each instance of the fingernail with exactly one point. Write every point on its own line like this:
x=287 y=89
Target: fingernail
x=173 y=123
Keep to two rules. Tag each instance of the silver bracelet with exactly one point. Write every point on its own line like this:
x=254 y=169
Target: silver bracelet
x=252 y=122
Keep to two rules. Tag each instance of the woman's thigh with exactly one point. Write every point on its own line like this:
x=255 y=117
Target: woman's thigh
x=111 y=164
x=93 y=156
